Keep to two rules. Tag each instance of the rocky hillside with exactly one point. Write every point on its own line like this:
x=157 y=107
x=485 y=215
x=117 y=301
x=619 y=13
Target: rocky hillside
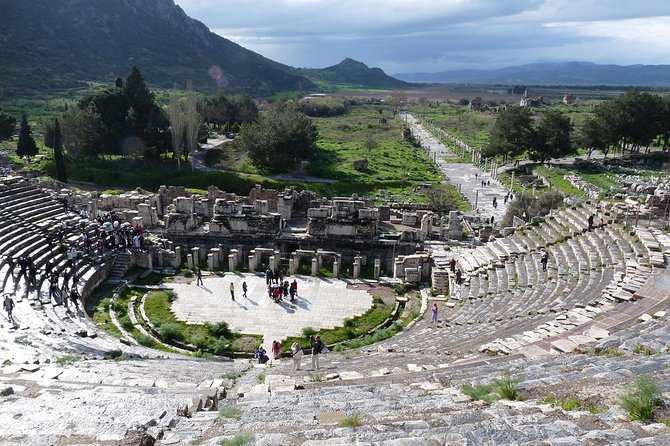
x=57 y=44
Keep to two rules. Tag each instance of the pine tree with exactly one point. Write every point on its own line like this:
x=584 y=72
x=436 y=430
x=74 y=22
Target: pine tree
x=58 y=152
x=26 y=146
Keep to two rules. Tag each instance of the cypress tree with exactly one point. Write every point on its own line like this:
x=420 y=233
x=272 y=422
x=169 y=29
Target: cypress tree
x=58 y=153
x=26 y=146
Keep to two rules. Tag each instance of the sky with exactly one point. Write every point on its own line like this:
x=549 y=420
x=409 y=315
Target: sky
x=438 y=35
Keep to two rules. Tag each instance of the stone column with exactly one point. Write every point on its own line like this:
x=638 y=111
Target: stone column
x=252 y=263
x=217 y=258
x=231 y=262
x=319 y=260
x=291 y=266
x=196 y=256
x=177 y=257
x=161 y=258
x=315 y=266
x=398 y=269
x=189 y=261
x=210 y=262
x=378 y=267
x=336 y=268
x=357 y=266
x=150 y=261
x=271 y=262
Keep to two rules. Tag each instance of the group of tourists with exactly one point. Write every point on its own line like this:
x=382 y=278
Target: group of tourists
x=317 y=348
x=278 y=291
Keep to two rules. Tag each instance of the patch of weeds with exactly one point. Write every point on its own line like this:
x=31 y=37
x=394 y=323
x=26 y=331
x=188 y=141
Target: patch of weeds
x=23 y=340
x=353 y=420
x=426 y=393
x=186 y=272
x=400 y=288
x=595 y=408
x=238 y=440
x=505 y=386
x=116 y=355
x=607 y=352
x=316 y=376
x=171 y=332
x=642 y=349
x=230 y=412
x=641 y=399
x=67 y=359
x=219 y=329
x=261 y=377
x=567 y=404
x=126 y=323
x=230 y=375
x=480 y=392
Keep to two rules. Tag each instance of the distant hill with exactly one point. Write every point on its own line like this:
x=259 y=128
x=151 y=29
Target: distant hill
x=355 y=74
x=562 y=73
x=52 y=45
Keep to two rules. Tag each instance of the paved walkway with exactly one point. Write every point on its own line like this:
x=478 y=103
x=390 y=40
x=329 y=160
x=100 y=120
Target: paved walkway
x=321 y=303
x=463 y=175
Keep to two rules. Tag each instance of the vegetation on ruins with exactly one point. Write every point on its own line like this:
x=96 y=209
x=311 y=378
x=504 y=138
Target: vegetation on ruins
x=238 y=440
x=504 y=387
x=354 y=420
x=528 y=205
x=641 y=398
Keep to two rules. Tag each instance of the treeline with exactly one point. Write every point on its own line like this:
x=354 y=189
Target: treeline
x=630 y=121
x=323 y=107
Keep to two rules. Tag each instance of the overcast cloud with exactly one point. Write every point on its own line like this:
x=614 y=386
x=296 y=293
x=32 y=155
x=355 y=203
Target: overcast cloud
x=438 y=35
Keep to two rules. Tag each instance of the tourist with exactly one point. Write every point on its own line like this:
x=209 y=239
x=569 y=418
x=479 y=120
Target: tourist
x=198 y=274
x=317 y=347
x=452 y=265
x=244 y=289
x=293 y=290
x=590 y=221
x=268 y=276
x=284 y=288
x=74 y=297
x=261 y=355
x=459 y=276
x=434 y=312
x=495 y=203
x=492 y=219
x=8 y=305
x=54 y=291
x=10 y=263
x=276 y=349
x=602 y=223
x=296 y=355
x=232 y=290
x=544 y=260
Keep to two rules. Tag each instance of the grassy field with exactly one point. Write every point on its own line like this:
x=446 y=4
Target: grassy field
x=470 y=126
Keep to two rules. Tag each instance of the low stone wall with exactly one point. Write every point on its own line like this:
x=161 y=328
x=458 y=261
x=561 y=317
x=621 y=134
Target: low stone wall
x=99 y=276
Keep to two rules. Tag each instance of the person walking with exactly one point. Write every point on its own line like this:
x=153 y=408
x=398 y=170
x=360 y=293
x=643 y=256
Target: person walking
x=198 y=274
x=8 y=305
x=232 y=290
x=276 y=349
x=317 y=346
x=244 y=289
x=434 y=312
x=544 y=260
x=296 y=355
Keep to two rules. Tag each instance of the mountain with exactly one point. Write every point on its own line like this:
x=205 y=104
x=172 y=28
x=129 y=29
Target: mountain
x=355 y=74
x=55 y=44
x=562 y=73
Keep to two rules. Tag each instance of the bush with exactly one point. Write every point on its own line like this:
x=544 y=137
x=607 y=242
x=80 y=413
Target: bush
x=145 y=340
x=214 y=157
x=478 y=393
x=238 y=440
x=219 y=330
x=200 y=341
x=126 y=323
x=221 y=346
x=353 y=420
x=308 y=331
x=230 y=412
x=641 y=399
x=171 y=332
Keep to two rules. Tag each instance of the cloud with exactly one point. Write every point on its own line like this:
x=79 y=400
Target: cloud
x=423 y=35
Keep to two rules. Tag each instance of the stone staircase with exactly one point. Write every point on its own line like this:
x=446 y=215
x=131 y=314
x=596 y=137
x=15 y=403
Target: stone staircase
x=121 y=263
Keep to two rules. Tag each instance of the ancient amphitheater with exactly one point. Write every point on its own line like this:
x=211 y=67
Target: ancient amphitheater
x=585 y=329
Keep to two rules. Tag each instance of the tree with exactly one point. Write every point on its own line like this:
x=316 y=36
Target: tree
x=7 y=125
x=279 y=139
x=26 y=146
x=177 y=125
x=552 y=137
x=664 y=121
x=57 y=144
x=512 y=132
x=82 y=131
x=191 y=120
x=396 y=101
x=591 y=136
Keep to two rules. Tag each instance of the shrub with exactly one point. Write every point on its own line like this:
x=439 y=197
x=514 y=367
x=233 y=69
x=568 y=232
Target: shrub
x=308 y=331
x=219 y=330
x=187 y=272
x=641 y=399
x=315 y=377
x=145 y=340
x=114 y=354
x=214 y=157
x=400 y=288
x=353 y=420
x=171 y=332
x=200 y=341
x=126 y=323
x=505 y=386
x=67 y=359
x=221 y=346
x=261 y=377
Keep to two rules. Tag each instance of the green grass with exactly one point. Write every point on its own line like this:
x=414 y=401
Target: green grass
x=470 y=126
x=316 y=377
x=567 y=404
x=555 y=177
x=230 y=412
x=355 y=327
x=480 y=392
x=261 y=377
x=238 y=440
x=505 y=387
x=641 y=399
